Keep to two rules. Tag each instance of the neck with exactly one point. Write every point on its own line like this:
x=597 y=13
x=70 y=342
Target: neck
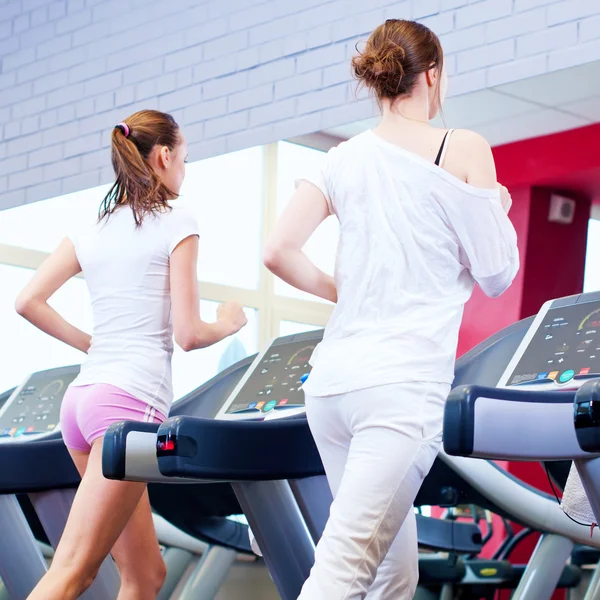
x=413 y=108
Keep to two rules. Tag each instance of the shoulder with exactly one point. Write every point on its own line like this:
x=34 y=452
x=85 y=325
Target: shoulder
x=177 y=214
x=469 y=157
x=469 y=141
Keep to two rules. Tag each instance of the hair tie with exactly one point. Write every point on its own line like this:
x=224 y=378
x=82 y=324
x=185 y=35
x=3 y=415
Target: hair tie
x=124 y=128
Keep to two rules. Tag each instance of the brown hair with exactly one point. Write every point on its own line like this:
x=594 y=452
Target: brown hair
x=137 y=184
x=396 y=53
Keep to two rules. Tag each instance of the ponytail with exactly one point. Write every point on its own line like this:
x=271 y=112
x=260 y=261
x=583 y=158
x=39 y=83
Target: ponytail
x=136 y=182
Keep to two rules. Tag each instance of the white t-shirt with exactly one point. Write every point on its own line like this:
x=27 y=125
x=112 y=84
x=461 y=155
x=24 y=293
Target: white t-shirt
x=127 y=273
x=413 y=240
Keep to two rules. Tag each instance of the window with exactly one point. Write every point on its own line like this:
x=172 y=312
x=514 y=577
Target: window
x=291 y=327
x=225 y=194
x=293 y=161
x=25 y=349
x=42 y=225
x=192 y=369
x=591 y=278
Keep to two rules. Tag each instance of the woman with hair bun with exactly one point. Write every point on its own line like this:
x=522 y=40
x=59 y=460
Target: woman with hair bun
x=422 y=219
x=139 y=263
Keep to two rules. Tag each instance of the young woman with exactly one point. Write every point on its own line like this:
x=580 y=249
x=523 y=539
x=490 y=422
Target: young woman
x=139 y=262
x=422 y=218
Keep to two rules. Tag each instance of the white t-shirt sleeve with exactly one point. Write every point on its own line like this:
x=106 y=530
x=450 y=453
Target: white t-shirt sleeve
x=319 y=174
x=487 y=239
x=181 y=224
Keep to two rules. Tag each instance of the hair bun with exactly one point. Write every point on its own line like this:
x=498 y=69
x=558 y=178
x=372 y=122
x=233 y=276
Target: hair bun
x=381 y=69
x=394 y=56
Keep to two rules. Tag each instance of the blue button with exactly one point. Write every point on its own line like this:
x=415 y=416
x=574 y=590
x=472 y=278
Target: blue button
x=252 y=405
x=566 y=376
x=304 y=377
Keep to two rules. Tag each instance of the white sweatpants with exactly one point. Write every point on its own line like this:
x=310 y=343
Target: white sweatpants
x=377 y=445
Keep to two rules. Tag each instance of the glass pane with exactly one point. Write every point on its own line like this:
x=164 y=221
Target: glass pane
x=291 y=327
x=225 y=194
x=32 y=350
x=192 y=369
x=42 y=225
x=292 y=162
x=25 y=348
x=591 y=278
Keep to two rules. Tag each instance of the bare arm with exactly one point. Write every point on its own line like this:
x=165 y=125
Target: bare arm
x=32 y=302
x=283 y=254
x=191 y=333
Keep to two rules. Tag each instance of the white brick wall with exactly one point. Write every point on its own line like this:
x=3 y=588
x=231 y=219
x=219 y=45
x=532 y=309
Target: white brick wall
x=234 y=72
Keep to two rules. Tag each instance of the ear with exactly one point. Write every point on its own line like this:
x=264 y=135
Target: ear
x=432 y=76
x=164 y=157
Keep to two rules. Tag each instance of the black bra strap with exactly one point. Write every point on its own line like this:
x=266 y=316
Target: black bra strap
x=441 y=150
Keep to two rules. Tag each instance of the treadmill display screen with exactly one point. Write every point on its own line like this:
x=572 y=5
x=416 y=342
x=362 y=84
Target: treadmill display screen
x=34 y=407
x=565 y=347
x=276 y=383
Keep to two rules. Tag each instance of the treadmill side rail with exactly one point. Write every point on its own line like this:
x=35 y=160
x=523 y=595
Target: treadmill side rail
x=510 y=424
x=209 y=449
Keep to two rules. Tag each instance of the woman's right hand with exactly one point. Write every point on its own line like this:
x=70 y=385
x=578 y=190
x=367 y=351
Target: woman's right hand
x=505 y=198
x=233 y=315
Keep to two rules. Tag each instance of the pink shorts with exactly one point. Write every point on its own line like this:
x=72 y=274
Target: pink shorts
x=88 y=411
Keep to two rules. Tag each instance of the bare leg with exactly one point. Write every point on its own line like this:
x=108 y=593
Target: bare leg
x=99 y=514
x=136 y=552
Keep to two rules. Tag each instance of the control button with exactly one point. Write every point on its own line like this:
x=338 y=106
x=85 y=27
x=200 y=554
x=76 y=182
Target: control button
x=12 y=431
x=259 y=405
x=252 y=405
x=19 y=432
x=566 y=376
x=283 y=402
x=270 y=405
x=304 y=377
x=30 y=429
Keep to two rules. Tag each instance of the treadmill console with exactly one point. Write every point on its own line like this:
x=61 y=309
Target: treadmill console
x=561 y=349
x=273 y=383
x=32 y=411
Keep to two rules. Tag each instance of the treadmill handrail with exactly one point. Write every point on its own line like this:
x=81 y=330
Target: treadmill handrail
x=459 y=412
x=208 y=449
x=50 y=467
x=586 y=416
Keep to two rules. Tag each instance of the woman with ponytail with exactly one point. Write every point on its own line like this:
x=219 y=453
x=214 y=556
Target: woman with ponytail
x=422 y=219
x=139 y=262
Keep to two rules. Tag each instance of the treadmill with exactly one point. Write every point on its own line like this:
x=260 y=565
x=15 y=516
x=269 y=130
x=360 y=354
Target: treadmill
x=37 y=486
x=280 y=485
x=543 y=405
x=34 y=462
x=130 y=453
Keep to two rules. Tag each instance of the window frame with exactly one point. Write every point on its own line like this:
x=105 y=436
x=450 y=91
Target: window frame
x=271 y=308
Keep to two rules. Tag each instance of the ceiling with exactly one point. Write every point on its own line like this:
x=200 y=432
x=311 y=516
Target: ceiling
x=523 y=109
